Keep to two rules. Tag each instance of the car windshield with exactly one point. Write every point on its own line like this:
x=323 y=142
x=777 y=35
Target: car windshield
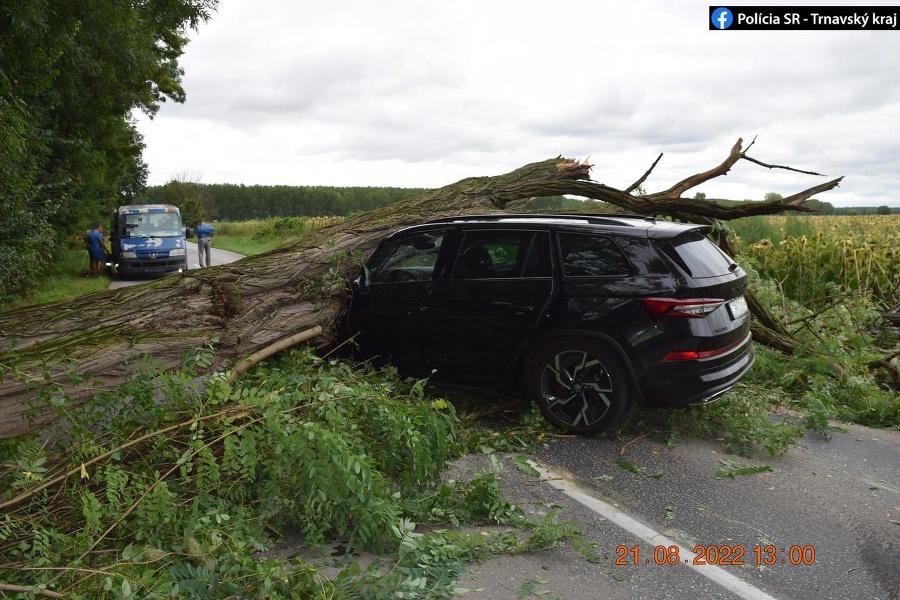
x=151 y=225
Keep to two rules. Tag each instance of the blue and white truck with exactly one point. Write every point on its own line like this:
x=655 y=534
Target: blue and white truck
x=148 y=239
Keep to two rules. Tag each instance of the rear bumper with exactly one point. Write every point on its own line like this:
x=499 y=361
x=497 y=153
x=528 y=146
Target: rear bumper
x=671 y=384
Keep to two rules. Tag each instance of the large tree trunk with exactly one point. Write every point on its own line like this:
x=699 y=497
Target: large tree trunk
x=247 y=305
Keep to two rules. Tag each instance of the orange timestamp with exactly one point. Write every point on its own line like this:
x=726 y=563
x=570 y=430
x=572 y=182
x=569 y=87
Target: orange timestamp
x=724 y=555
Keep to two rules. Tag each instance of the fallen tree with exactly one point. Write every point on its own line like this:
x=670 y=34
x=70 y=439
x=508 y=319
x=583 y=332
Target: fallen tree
x=88 y=343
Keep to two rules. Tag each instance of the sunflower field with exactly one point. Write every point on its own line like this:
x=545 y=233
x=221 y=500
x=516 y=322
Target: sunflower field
x=814 y=257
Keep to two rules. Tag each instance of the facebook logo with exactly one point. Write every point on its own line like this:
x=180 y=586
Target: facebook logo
x=722 y=18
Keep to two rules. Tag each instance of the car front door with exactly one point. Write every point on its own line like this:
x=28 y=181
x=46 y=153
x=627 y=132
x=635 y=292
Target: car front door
x=489 y=308
x=394 y=297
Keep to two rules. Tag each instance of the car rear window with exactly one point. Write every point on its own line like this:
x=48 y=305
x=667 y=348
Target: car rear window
x=586 y=255
x=698 y=256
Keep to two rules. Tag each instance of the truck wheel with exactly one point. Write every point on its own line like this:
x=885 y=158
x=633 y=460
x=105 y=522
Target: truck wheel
x=579 y=384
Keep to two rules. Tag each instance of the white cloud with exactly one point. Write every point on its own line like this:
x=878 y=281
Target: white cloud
x=422 y=94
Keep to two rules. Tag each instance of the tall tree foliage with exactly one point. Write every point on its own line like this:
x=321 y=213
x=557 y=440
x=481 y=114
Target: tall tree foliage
x=71 y=73
x=187 y=195
x=24 y=223
x=230 y=202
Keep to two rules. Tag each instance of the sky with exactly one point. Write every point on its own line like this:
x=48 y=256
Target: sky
x=422 y=93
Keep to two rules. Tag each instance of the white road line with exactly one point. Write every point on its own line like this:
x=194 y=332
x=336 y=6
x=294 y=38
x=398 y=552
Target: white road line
x=651 y=536
x=880 y=485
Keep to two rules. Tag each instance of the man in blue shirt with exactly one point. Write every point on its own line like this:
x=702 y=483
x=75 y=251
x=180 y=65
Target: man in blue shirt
x=204 y=234
x=96 y=249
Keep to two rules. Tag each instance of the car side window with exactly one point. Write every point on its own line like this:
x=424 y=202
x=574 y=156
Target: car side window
x=591 y=256
x=411 y=258
x=502 y=254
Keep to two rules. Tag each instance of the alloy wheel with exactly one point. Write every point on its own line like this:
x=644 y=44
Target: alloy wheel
x=576 y=388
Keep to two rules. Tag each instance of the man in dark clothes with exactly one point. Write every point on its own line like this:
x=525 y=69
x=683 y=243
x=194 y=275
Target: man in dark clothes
x=96 y=249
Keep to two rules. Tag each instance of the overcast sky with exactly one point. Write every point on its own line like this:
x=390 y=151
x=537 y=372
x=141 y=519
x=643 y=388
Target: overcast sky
x=424 y=93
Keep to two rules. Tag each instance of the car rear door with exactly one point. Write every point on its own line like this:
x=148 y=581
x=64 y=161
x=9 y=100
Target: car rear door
x=484 y=314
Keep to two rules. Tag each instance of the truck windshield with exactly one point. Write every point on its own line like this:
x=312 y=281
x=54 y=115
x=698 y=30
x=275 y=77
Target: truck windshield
x=151 y=225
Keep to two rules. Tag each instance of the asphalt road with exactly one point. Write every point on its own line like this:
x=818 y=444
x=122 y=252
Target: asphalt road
x=838 y=499
x=219 y=257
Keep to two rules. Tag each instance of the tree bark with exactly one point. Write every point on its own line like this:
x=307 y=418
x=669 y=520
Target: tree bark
x=893 y=315
x=242 y=307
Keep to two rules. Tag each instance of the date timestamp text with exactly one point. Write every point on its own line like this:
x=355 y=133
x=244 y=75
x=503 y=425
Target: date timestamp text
x=725 y=555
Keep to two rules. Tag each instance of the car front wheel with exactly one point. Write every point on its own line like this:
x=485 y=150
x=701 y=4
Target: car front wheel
x=579 y=384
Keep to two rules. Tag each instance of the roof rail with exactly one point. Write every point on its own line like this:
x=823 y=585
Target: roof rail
x=594 y=218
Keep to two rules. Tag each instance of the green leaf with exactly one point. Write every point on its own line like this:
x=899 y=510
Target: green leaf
x=524 y=466
x=731 y=468
x=628 y=466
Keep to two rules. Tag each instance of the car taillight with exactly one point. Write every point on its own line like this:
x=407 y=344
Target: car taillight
x=691 y=308
x=698 y=354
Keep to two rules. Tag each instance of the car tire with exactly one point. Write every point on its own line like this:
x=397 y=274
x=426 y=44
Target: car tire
x=579 y=384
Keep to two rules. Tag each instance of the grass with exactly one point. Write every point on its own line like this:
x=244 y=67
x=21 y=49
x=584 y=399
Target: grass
x=261 y=235
x=244 y=245
x=64 y=281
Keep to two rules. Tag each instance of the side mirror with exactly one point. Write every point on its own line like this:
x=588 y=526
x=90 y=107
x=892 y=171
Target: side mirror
x=360 y=284
x=188 y=232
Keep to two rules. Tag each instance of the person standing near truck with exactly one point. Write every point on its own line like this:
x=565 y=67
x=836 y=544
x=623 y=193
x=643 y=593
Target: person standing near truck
x=204 y=235
x=96 y=249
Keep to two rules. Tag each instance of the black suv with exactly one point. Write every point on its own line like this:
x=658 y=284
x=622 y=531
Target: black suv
x=581 y=313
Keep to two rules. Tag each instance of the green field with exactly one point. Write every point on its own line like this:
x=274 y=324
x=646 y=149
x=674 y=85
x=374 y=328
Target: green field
x=815 y=257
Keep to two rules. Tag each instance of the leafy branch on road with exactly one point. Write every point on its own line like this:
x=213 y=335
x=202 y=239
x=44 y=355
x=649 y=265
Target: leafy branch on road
x=180 y=499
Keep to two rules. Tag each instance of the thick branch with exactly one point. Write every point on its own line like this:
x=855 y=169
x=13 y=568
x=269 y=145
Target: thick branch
x=801 y=197
x=690 y=208
x=887 y=364
x=21 y=589
x=694 y=180
x=271 y=350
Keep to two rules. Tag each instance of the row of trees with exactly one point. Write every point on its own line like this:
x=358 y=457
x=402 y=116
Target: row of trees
x=230 y=202
x=71 y=74
x=866 y=210
x=826 y=208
